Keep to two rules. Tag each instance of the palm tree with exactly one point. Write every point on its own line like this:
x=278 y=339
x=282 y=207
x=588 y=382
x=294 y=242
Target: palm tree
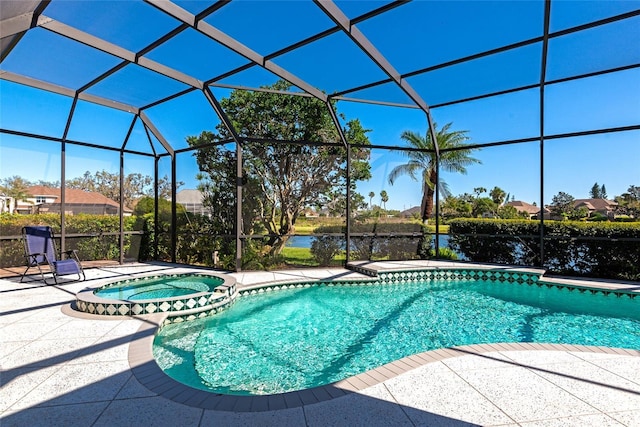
x=453 y=158
x=384 y=198
x=498 y=196
x=371 y=196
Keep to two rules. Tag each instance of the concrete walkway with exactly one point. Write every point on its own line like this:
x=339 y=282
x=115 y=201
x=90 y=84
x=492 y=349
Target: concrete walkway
x=64 y=370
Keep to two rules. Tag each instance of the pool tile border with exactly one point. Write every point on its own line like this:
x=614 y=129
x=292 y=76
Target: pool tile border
x=180 y=309
x=449 y=274
x=150 y=375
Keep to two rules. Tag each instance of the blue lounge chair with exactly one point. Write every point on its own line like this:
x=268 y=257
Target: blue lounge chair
x=40 y=249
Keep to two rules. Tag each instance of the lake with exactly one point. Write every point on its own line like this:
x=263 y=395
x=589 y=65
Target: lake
x=305 y=241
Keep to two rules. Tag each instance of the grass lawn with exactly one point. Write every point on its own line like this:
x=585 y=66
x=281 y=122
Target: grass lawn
x=306 y=227
x=303 y=257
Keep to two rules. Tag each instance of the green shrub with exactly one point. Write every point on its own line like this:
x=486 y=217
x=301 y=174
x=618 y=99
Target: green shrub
x=325 y=248
x=98 y=246
x=577 y=248
x=402 y=241
x=445 y=253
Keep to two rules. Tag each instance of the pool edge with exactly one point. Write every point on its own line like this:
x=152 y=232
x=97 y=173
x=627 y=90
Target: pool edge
x=147 y=372
x=151 y=376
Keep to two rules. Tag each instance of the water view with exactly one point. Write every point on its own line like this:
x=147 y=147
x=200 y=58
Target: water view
x=306 y=241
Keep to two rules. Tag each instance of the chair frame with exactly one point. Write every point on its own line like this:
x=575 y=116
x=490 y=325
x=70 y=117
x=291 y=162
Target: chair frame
x=37 y=259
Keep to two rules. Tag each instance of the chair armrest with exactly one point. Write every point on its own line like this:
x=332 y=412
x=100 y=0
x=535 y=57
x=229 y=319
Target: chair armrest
x=35 y=254
x=72 y=253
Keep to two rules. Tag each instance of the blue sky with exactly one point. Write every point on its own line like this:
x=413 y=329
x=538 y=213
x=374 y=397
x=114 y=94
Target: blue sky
x=572 y=165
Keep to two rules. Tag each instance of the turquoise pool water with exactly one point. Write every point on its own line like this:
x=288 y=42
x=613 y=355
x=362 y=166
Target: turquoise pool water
x=159 y=287
x=300 y=338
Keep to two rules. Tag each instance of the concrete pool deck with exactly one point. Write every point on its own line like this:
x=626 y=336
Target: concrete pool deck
x=62 y=368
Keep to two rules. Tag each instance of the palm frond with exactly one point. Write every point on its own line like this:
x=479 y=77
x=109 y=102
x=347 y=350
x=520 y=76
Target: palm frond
x=411 y=168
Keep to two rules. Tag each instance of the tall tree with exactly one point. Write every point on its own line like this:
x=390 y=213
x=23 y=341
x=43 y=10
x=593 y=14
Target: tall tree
x=629 y=202
x=217 y=183
x=282 y=140
x=563 y=205
x=457 y=206
x=384 y=198
x=483 y=206
x=603 y=192
x=498 y=195
x=135 y=185
x=454 y=157
x=595 y=192
x=633 y=193
x=479 y=191
x=15 y=187
x=371 y=196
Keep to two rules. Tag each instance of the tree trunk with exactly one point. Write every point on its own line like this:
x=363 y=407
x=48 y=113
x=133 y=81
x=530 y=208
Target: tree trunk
x=428 y=193
x=279 y=244
x=287 y=229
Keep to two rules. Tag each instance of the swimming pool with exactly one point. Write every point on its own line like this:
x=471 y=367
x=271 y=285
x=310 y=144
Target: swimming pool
x=184 y=296
x=302 y=337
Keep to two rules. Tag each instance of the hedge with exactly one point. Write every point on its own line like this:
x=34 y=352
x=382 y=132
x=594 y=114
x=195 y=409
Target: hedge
x=98 y=247
x=574 y=248
x=368 y=245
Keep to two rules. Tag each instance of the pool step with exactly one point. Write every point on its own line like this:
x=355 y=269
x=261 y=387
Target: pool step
x=362 y=269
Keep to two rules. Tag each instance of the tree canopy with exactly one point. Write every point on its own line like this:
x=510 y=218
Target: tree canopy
x=629 y=202
x=598 y=191
x=135 y=185
x=292 y=154
x=15 y=187
x=454 y=157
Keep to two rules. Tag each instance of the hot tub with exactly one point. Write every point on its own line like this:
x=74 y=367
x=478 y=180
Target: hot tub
x=183 y=296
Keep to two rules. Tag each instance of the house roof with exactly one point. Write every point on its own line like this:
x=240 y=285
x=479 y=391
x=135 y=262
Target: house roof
x=595 y=204
x=74 y=196
x=524 y=207
x=189 y=196
x=410 y=211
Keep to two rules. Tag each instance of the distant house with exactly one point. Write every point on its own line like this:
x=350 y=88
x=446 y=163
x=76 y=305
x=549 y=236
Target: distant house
x=6 y=203
x=310 y=213
x=192 y=200
x=48 y=200
x=410 y=213
x=602 y=206
x=594 y=206
x=532 y=210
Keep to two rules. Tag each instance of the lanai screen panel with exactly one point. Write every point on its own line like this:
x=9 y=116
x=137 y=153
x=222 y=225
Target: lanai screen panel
x=492 y=68
x=103 y=50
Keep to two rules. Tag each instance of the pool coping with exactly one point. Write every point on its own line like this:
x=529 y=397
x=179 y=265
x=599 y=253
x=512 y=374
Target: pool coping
x=148 y=373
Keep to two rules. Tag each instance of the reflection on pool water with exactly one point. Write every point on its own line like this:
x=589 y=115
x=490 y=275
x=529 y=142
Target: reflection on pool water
x=300 y=338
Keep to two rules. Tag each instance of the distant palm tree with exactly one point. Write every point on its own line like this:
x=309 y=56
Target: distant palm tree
x=498 y=196
x=423 y=163
x=371 y=196
x=384 y=198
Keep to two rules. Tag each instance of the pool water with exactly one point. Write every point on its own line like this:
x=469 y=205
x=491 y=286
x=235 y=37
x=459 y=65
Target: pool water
x=159 y=287
x=305 y=337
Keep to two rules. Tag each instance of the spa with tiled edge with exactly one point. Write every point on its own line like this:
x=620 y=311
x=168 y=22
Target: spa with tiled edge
x=213 y=292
